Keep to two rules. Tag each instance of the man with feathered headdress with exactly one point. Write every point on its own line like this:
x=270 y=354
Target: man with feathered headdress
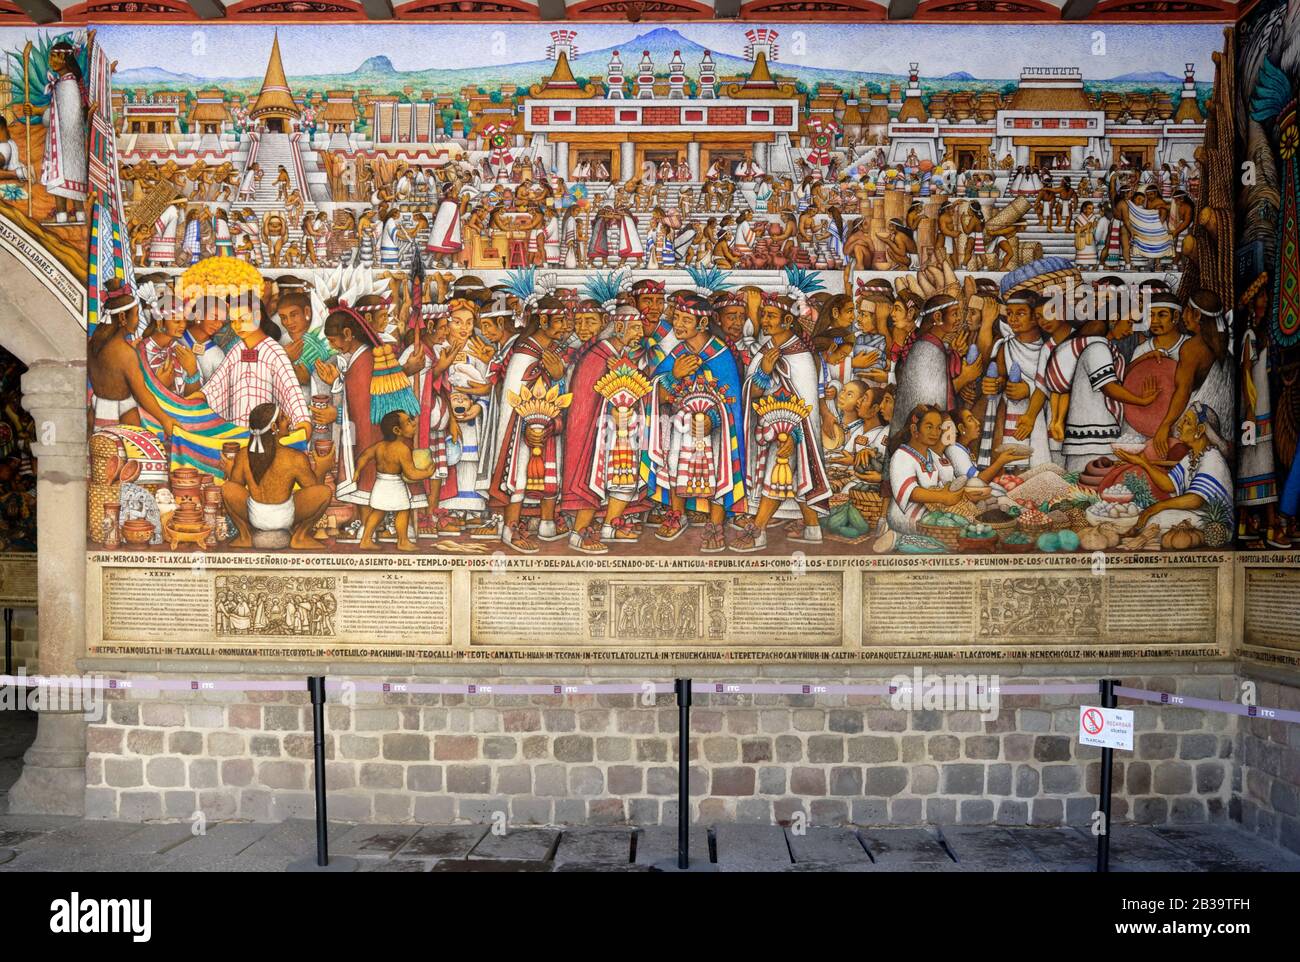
x=534 y=360
x=782 y=429
x=605 y=424
x=696 y=453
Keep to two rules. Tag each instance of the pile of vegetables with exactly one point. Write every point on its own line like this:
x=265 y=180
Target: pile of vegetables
x=847 y=522
x=944 y=519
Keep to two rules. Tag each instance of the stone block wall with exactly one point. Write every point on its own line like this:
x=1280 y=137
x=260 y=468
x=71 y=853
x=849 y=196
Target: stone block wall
x=24 y=640
x=610 y=759
x=1268 y=775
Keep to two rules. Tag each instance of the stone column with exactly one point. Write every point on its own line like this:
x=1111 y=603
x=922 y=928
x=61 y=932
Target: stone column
x=693 y=159
x=626 y=159
x=53 y=781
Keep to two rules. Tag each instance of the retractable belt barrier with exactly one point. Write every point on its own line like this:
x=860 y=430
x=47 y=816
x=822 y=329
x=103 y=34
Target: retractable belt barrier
x=333 y=684
x=682 y=688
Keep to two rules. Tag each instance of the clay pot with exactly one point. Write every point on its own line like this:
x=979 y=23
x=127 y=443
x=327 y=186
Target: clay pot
x=137 y=531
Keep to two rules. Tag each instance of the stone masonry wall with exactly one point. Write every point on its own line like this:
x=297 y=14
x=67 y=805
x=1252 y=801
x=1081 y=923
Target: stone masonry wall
x=608 y=759
x=24 y=639
x=1269 y=770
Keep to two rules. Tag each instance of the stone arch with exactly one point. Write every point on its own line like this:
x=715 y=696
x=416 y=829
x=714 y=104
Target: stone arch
x=36 y=325
x=40 y=329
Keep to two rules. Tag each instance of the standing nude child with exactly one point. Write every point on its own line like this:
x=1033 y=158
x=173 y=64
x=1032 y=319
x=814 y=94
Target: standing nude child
x=394 y=467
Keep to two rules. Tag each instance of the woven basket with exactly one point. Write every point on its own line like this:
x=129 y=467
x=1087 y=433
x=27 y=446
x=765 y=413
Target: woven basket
x=104 y=450
x=963 y=508
x=950 y=536
x=1032 y=529
x=97 y=497
x=977 y=544
x=868 y=503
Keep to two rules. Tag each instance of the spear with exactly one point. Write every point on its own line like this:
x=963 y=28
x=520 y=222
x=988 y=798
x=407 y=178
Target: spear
x=27 y=117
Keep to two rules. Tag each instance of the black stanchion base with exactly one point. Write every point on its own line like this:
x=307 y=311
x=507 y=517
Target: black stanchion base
x=339 y=863
x=670 y=865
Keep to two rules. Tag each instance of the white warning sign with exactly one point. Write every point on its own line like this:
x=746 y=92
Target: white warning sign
x=1106 y=727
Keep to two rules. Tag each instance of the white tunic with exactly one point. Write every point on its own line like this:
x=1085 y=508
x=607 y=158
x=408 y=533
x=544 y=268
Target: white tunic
x=908 y=471
x=64 y=169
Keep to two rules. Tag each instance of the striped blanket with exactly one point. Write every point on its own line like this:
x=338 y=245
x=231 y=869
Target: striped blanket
x=1150 y=238
x=200 y=431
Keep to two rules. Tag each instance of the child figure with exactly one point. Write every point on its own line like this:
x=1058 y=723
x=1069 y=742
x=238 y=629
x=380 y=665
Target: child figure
x=394 y=466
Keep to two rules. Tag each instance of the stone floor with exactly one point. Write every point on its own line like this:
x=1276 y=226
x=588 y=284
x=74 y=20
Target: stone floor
x=54 y=844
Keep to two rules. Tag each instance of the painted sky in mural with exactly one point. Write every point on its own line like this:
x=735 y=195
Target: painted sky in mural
x=236 y=52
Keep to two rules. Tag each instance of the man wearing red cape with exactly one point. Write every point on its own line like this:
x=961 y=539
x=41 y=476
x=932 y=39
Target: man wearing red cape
x=596 y=443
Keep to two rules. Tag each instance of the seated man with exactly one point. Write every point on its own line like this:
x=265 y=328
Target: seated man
x=259 y=490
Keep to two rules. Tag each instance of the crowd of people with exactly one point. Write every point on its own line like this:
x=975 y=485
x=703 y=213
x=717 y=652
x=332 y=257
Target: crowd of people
x=622 y=413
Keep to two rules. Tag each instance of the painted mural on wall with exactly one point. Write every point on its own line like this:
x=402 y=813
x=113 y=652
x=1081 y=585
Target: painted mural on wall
x=47 y=191
x=17 y=467
x=597 y=293
x=1268 y=266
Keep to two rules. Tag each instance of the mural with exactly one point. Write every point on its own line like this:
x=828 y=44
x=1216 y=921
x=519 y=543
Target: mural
x=48 y=184
x=1268 y=263
x=667 y=293
x=17 y=468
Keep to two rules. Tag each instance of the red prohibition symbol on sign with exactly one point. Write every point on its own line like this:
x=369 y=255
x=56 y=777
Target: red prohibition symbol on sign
x=1092 y=721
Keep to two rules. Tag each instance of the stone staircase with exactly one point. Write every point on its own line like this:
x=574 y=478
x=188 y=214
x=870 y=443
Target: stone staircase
x=274 y=151
x=697 y=218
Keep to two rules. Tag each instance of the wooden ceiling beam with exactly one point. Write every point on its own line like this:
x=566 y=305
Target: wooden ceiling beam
x=903 y=9
x=1078 y=9
x=41 y=11
x=208 y=9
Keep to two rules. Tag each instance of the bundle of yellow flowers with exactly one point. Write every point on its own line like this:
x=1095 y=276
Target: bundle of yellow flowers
x=219 y=277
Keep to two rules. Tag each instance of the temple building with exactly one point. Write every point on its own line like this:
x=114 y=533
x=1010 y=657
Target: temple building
x=338 y=117
x=275 y=109
x=1049 y=120
x=670 y=121
x=209 y=118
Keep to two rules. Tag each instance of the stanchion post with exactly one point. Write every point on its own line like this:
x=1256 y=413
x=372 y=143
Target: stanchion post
x=1107 y=690
x=682 y=686
x=9 y=641
x=316 y=685
x=682 y=861
x=321 y=863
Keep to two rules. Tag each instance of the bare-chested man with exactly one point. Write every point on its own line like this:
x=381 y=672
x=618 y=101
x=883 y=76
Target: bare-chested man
x=259 y=490
x=114 y=365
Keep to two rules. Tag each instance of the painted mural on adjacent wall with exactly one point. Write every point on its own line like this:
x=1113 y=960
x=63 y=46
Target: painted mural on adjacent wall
x=49 y=161
x=599 y=292
x=17 y=467
x=1268 y=265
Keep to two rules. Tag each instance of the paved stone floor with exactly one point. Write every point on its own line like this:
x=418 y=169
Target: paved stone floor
x=53 y=844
